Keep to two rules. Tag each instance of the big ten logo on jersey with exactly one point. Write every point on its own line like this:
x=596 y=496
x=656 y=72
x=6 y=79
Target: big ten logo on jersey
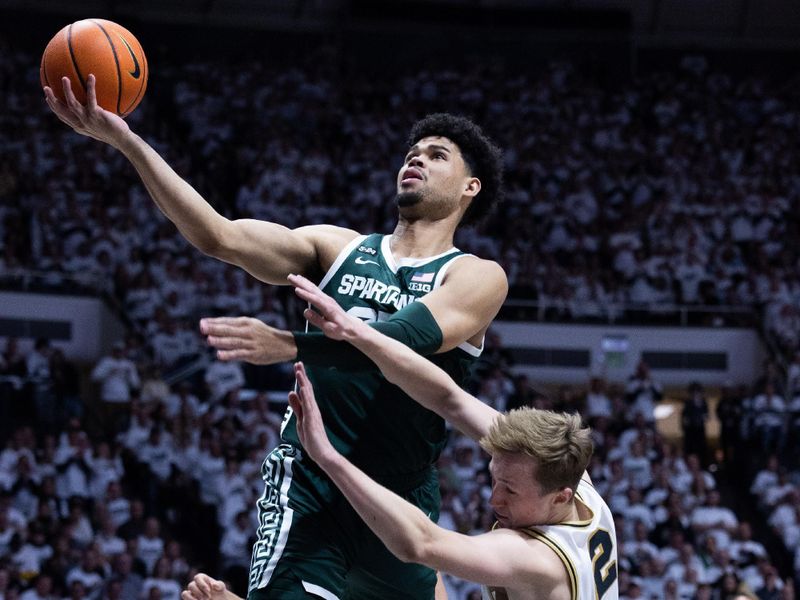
x=368 y=250
x=368 y=288
x=421 y=282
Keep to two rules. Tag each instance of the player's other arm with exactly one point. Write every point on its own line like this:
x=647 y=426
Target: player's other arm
x=469 y=298
x=414 y=374
x=268 y=251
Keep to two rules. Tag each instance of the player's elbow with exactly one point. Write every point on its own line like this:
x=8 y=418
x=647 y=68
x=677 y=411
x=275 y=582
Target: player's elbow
x=417 y=548
x=218 y=241
x=412 y=551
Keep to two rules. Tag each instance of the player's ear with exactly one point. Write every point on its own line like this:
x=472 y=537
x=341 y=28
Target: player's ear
x=472 y=187
x=564 y=495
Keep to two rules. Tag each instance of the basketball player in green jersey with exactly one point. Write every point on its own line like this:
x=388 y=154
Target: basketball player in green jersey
x=416 y=287
x=554 y=538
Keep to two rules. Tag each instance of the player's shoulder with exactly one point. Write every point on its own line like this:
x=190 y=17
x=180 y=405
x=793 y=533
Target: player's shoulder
x=531 y=553
x=330 y=232
x=473 y=268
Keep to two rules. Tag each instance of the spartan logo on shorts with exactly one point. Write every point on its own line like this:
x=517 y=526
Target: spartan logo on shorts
x=273 y=512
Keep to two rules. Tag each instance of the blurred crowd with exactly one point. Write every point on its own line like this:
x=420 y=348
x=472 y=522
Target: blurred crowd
x=623 y=201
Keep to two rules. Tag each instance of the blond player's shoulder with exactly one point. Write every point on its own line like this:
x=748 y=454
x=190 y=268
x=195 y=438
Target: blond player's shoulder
x=543 y=559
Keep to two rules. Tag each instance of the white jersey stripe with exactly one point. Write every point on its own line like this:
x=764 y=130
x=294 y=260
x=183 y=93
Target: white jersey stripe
x=340 y=259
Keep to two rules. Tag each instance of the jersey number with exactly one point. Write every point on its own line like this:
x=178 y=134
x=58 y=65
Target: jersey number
x=368 y=315
x=605 y=569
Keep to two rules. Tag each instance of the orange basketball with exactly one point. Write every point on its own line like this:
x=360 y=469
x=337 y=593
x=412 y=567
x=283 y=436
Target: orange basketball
x=105 y=49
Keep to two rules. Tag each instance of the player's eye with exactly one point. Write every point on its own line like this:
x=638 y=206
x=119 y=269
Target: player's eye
x=439 y=155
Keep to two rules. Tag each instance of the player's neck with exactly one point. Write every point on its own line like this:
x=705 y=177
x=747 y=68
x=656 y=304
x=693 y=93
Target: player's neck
x=418 y=239
x=569 y=513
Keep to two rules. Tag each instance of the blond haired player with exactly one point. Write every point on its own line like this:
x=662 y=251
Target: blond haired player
x=554 y=536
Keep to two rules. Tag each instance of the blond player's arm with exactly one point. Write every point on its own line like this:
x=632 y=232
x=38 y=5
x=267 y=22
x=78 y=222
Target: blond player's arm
x=268 y=251
x=500 y=558
x=426 y=383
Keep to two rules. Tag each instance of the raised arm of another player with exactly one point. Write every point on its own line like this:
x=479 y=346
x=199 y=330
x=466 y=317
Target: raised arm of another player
x=417 y=376
x=268 y=251
x=501 y=557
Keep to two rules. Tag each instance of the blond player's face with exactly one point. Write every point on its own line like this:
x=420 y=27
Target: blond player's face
x=517 y=498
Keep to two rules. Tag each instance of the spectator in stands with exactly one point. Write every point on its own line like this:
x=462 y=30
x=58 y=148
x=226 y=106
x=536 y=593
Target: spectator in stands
x=729 y=414
x=130 y=580
x=65 y=385
x=38 y=371
x=150 y=545
x=42 y=589
x=770 y=419
x=642 y=393
x=693 y=421
x=162 y=580
x=118 y=378
x=223 y=377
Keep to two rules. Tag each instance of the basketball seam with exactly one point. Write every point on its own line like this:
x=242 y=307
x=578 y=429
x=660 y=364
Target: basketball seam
x=72 y=56
x=44 y=67
x=116 y=61
x=144 y=80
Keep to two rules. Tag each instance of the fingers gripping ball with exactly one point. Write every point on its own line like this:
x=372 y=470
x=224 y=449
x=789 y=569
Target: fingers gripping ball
x=103 y=48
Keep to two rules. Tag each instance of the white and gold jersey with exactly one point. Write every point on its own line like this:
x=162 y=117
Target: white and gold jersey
x=587 y=548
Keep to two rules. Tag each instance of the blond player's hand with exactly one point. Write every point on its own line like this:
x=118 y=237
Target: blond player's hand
x=310 y=428
x=248 y=339
x=328 y=316
x=90 y=119
x=203 y=587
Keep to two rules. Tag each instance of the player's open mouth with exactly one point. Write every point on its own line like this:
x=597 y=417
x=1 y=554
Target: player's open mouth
x=410 y=175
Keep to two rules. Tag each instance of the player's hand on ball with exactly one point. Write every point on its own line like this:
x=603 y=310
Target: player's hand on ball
x=248 y=339
x=328 y=316
x=310 y=428
x=203 y=587
x=89 y=120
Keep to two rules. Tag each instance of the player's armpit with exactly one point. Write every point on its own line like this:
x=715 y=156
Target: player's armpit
x=270 y=252
x=468 y=299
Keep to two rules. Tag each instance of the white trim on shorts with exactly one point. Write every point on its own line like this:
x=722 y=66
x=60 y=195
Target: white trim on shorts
x=320 y=591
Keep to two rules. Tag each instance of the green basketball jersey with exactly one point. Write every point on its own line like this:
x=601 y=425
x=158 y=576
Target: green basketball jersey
x=369 y=420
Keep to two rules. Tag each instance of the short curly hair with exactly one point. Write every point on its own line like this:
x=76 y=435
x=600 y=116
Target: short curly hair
x=482 y=157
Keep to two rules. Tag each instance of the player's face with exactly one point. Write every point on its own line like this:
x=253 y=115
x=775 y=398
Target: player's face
x=433 y=178
x=517 y=497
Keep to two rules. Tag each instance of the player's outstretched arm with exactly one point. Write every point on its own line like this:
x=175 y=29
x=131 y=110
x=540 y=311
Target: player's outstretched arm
x=418 y=377
x=268 y=251
x=500 y=558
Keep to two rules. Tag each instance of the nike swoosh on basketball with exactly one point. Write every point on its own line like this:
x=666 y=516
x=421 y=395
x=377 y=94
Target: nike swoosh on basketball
x=363 y=261
x=136 y=71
